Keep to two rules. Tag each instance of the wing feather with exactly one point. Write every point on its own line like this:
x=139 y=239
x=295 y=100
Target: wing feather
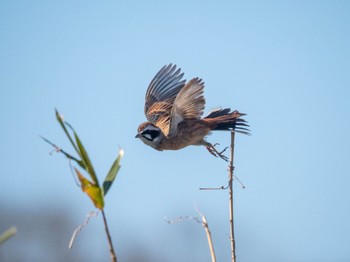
x=161 y=94
x=188 y=104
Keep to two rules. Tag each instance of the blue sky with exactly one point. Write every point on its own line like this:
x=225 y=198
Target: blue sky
x=284 y=63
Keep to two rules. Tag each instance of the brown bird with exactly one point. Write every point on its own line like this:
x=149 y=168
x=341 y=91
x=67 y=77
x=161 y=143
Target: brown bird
x=174 y=108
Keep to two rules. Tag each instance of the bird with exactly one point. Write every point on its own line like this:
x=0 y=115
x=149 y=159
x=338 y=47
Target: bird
x=174 y=109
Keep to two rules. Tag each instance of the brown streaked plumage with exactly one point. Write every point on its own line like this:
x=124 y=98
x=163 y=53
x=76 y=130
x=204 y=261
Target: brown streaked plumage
x=174 y=109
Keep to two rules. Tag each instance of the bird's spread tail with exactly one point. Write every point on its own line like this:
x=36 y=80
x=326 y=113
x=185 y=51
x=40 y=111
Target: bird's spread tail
x=223 y=119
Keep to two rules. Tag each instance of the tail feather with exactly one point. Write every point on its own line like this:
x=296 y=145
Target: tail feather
x=223 y=119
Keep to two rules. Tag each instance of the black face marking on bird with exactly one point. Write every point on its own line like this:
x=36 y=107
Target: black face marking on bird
x=150 y=134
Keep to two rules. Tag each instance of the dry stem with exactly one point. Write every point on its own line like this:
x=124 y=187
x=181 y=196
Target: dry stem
x=80 y=227
x=208 y=233
x=230 y=182
x=204 y=223
x=111 y=249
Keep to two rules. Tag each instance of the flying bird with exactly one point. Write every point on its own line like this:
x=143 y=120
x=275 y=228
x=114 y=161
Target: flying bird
x=174 y=108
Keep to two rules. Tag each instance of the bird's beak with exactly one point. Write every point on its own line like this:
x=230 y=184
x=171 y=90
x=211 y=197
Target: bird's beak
x=138 y=136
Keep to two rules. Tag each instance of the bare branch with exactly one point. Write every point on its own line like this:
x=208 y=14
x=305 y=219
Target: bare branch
x=111 y=249
x=213 y=188
x=230 y=182
x=90 y=215
x=208 y=233
x=180 y=219
x=204 y=224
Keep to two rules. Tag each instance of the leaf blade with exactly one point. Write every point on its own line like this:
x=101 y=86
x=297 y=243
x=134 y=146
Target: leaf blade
x=112 y=174
x=60 y=120
x=85 y=158
x=92 y=190
x=60 y=150
x=7 y=234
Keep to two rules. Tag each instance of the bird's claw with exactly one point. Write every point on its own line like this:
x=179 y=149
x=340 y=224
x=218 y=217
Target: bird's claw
x=212 y=150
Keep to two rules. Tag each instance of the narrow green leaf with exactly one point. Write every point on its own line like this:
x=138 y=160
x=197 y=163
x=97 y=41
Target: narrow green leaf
x=85 y=158
x=92 y=190
x=112 y=174
x=7 y=234
x=62 y=123
x=60 y=150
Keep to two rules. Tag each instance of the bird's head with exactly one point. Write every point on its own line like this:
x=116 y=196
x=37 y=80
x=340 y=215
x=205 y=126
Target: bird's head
x=150 y=134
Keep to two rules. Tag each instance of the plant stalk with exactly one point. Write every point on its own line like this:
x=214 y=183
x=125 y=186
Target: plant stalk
x=230 y=183
x=210 y=241
x=111 y=249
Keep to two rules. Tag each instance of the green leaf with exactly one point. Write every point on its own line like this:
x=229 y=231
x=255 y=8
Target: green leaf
x=92 y=190
x=60 y=150
x=112 y=174
x=7 y=234
x=85 y=158
x=62 y=123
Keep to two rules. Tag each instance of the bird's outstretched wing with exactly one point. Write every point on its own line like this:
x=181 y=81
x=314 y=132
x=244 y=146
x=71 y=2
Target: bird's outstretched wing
x=188 y=104
x=161 y=94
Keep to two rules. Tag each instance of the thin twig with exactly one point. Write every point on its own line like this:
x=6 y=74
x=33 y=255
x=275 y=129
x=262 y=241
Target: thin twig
x=213 y=188
x=230 y=181
x=239 y=181
x=80 y=227
x=180 y=219
x=224 y=187
x=208 y=233
x=60 y=150
x=204 y=224
x=111 y=249
x=71 y=167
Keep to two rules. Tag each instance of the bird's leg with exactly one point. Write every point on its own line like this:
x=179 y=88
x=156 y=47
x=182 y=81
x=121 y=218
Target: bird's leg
x=212 y=150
